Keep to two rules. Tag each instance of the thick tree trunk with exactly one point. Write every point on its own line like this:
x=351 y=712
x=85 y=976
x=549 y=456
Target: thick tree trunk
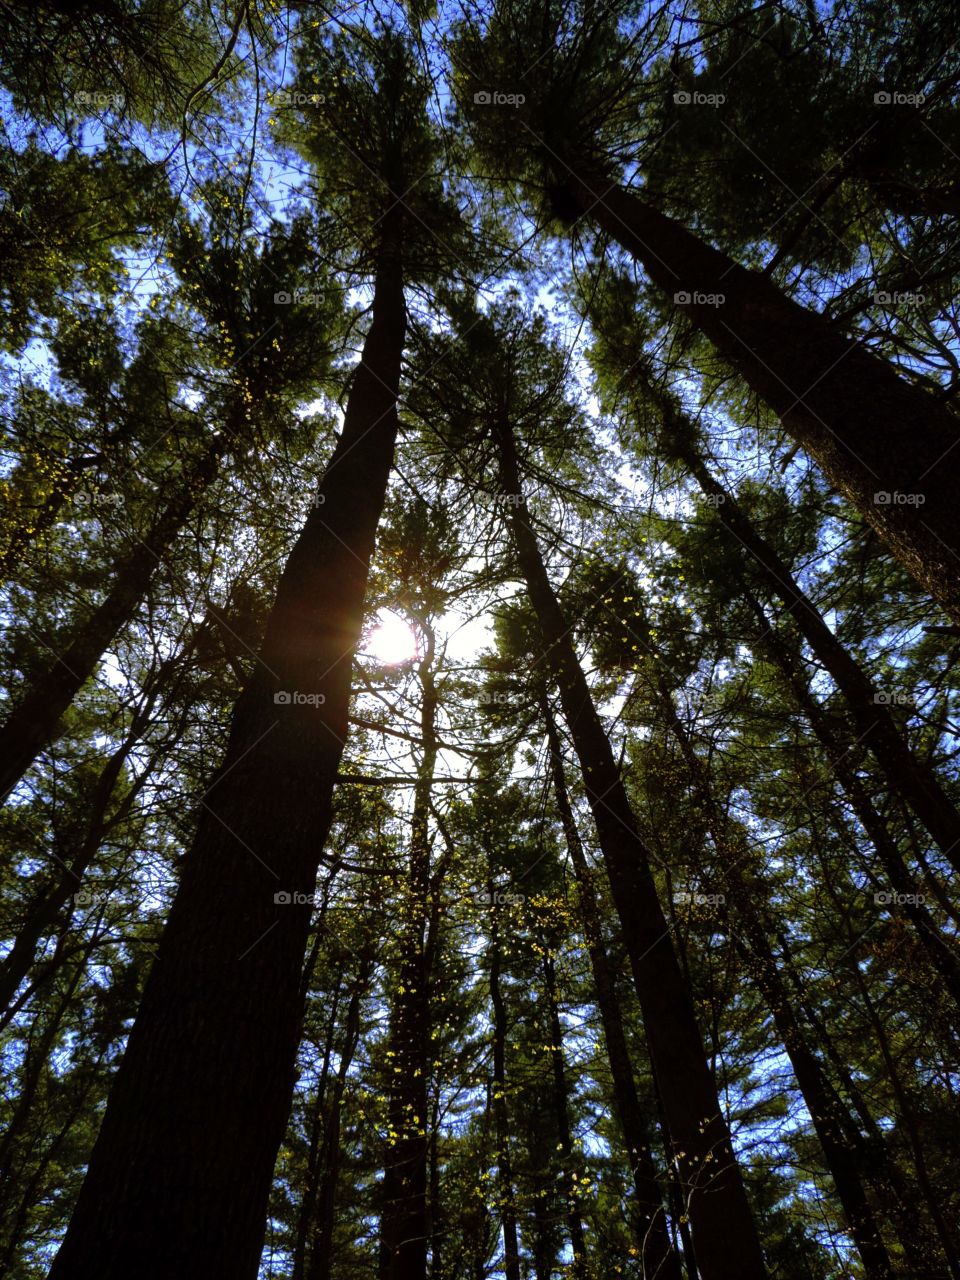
x=723 y=1229
x=405 y=1218
x=179 y=1179
x=657 y=1257
x=906 y=775
x=870 y=431
x=32 y=724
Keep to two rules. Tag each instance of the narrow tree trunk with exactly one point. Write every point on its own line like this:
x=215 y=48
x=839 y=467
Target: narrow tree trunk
x=308 y=1197
x=562 y=1112
x=29 y=530
x=505 y=1192
x=870 y=431
x=839 y=1139
x=46 y=907
x=405 y=1220
x=32 y=724
x=179 y=1179
x=723 y=1227
x=905 y=774
x=35 y=1064
x=657 y=1257
x=321 y=1249
x=940 y=952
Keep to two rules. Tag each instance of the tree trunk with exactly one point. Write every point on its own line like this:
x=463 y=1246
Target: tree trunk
x=307 y=1208
x=405 y=1220
x=505 y=1193
x=561 y=1110
x=723 y=1228
x=940 y=952
x=32 y=724
x=840 y=1141
x=657 y=1257
x=321 y=1250
x=46 y=907
x=880 y=441
x=905 y=775
x=179 y=1179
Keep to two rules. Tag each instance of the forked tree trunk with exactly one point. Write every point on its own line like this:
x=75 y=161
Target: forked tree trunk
x=869 y=430
x=723 y=1228
x=179 y=1179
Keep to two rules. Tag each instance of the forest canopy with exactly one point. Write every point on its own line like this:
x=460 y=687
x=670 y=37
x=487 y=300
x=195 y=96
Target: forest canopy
x=480 y=646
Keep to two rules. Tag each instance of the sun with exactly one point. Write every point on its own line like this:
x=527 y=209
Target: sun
x=392 y=640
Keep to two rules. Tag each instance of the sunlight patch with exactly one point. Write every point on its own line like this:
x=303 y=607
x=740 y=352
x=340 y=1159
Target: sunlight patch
x=392 y=640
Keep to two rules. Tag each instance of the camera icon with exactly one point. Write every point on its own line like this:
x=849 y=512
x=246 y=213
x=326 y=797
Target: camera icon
x=682 y=299
x=682 y=98
x=482 y=98
x=882 y=498
x=882 y=99
x=83 y=898
x=283 y=698
x=283 y=298
x=282 y=898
